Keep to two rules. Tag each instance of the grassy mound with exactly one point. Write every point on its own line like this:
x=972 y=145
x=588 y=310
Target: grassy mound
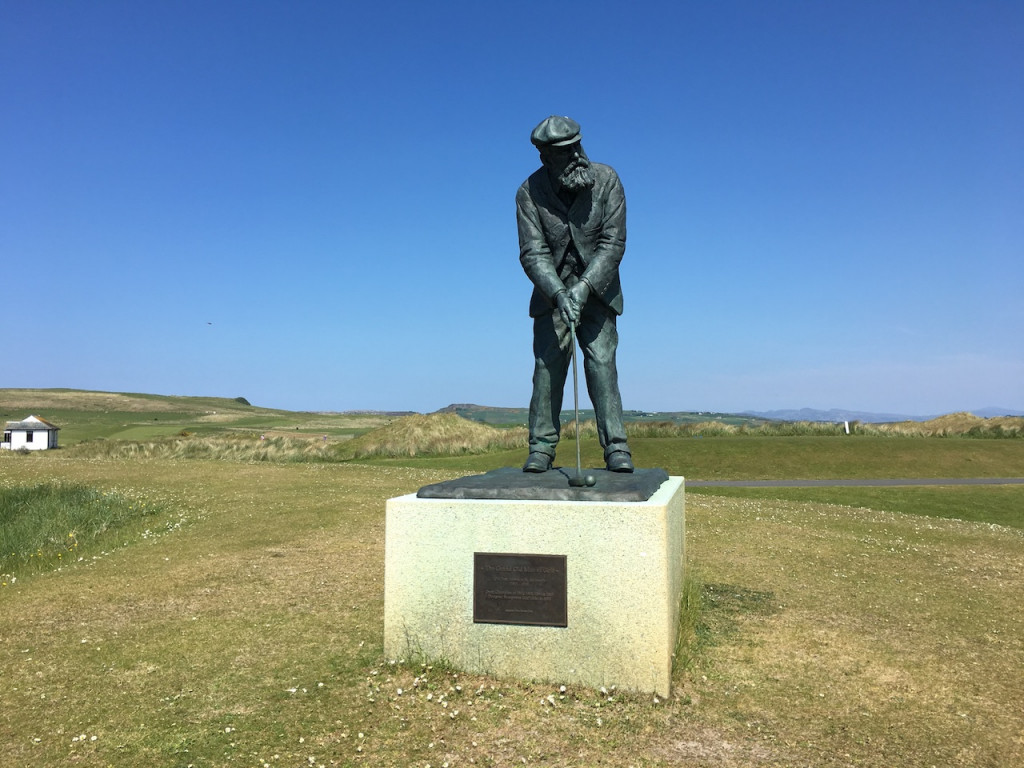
x=434 y=434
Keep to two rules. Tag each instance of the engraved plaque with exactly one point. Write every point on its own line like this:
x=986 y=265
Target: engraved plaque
x=519 y=589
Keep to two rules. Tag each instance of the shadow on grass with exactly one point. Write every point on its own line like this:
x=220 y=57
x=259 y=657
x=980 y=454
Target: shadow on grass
x=724 y=606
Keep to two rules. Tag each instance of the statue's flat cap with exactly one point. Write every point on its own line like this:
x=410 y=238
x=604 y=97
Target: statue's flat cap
x=556 y=131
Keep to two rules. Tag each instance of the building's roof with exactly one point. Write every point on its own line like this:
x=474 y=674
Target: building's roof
x=31 y=422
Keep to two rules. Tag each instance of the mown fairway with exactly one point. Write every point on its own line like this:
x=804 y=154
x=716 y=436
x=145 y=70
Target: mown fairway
x=243 y=627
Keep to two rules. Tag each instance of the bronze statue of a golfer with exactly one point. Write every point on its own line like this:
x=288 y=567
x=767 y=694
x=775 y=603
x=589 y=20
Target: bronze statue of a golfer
x=572 y=234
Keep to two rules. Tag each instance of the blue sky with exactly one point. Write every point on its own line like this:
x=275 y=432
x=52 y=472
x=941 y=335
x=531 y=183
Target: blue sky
x=311 y=204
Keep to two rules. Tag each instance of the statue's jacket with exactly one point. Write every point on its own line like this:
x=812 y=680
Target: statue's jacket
x=595 y=223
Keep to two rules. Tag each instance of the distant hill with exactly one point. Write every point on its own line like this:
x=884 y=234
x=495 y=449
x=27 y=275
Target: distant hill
x=834 y=415
x=840 y=414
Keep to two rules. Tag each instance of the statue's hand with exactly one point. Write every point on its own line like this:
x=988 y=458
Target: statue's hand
x=568 y=307
x=579 y=293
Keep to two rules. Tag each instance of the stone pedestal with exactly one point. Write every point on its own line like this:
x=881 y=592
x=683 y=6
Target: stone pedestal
x=623 y=575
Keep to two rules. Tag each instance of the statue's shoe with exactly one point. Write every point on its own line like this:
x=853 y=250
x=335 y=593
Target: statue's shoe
x=537 y=462
x=619 y=461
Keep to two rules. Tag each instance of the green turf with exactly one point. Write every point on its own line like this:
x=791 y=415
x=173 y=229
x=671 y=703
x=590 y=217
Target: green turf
x=997 y=504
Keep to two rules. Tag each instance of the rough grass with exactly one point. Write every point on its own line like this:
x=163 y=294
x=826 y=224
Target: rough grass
x=829 y=636
x=51 y=524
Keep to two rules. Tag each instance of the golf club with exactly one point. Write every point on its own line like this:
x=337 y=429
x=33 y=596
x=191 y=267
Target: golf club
x=577 y=480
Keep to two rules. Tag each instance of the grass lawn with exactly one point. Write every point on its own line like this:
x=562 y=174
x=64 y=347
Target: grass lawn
x=996 y=504
x=242 y=625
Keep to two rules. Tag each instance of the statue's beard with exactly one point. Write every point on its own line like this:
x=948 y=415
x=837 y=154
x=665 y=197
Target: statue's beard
x=577 y=176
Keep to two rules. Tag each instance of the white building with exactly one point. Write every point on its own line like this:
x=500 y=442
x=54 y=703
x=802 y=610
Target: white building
x=31 y=433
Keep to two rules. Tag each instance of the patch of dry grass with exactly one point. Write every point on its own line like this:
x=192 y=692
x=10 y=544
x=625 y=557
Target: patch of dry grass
x=252 y=635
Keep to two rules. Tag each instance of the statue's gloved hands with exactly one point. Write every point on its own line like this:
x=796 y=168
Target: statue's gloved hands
x=568 y=307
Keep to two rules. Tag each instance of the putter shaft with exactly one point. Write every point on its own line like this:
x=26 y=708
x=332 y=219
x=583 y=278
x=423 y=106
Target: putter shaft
x=576 y=403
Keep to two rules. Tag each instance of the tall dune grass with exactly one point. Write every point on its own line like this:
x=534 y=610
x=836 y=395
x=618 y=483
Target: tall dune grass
x=953 y=425
x=447 y=434
x=245 y=448
x=435 y=434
